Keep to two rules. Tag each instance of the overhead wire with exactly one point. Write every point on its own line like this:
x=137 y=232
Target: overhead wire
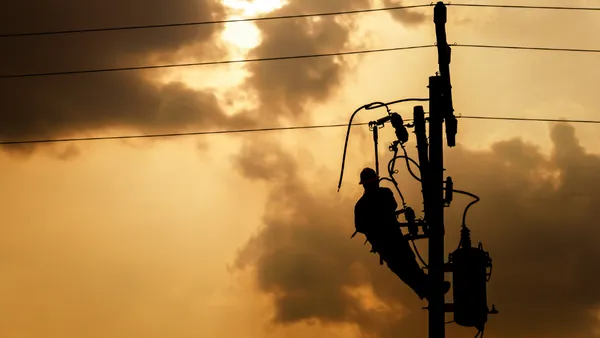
x=209 y=132
x=281 y=17
x=211 y=22
x=530 y=119
x=551 y=49
x=569 y=8
x=207 y=63
x=287 y=57
x=250 y=130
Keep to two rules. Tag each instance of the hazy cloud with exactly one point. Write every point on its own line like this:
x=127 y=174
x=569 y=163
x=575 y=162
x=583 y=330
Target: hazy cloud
x=537 y=219
x=408 y=17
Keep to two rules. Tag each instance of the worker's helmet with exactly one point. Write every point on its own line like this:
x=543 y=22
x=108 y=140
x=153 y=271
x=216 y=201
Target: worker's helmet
x=368 y=175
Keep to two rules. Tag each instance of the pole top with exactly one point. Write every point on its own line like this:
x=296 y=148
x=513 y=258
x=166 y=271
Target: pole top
x=440 y=13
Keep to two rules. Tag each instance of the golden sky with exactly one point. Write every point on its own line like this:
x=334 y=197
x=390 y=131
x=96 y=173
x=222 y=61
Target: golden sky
x=244 y=235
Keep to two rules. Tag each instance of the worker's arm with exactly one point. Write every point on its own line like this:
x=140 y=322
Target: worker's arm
x=359 y=219
x=389 y=199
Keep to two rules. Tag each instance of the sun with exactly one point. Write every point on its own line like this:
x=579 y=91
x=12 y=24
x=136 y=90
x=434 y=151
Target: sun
x=245 y=35
x=239 y=37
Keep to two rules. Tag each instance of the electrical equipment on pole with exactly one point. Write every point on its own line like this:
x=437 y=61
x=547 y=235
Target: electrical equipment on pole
x=470 y=266
x=469 y=279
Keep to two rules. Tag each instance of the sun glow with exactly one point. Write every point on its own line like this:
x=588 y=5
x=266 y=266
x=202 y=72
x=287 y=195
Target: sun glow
x=254 y=8
x=245 y=35
x=239 y=38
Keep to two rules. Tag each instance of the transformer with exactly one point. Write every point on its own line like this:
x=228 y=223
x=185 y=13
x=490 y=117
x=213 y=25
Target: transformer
x=469 y=279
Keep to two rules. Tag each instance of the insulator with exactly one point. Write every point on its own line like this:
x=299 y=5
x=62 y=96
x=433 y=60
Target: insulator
x=398 y=124
x=449 y=189
x=451 y=130
x=410 y=216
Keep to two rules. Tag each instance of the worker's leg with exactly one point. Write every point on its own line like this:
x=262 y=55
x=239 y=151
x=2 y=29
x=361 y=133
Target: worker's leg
x=403 y=262
x=395 y=250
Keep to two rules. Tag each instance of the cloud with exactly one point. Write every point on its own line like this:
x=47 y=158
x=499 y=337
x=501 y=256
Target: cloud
x=537 y=217
x=407 y=17
x=286 y=88
x=59 y=106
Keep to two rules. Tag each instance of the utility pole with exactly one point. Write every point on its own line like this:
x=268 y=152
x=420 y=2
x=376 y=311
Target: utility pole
x=435 y=219
x=440 y=109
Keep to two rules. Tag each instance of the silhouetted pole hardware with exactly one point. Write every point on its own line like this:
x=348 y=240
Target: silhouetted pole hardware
x=468 y=264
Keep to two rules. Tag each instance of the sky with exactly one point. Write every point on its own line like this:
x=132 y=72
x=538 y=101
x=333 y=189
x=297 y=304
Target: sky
x=244 y=234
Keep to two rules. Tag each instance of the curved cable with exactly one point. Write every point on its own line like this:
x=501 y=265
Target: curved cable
x=390 y=165
x=419 y=255
x=375 y=105
x=464 y=224
x=407 y=162
x=477 y=199
x=397 y=188
x=346 y=144
x=370 y=106
x=366 y=106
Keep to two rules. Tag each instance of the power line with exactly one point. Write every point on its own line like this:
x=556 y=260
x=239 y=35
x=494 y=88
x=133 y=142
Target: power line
x=294 y=16
x=215 y=132
x=553 y=49
x=527 y=7
x=199 y=23
x=528 y=119
x=120 y=69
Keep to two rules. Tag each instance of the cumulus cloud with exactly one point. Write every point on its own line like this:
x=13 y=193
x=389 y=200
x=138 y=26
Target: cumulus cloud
x=73 y=104
x=284 y=88
x=536 y=217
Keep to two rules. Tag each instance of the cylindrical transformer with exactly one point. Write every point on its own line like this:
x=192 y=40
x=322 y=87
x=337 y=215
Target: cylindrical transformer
x=469 y=280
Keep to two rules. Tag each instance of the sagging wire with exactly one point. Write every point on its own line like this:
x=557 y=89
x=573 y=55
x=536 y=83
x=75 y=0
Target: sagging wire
x=370 y=106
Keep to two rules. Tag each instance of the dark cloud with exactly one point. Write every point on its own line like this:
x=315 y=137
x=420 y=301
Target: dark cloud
x=285 y=88
x=75 y=104
x=540 y=229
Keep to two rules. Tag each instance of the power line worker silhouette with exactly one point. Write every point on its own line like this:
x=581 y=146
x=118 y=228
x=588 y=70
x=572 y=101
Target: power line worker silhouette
x=375 y=217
